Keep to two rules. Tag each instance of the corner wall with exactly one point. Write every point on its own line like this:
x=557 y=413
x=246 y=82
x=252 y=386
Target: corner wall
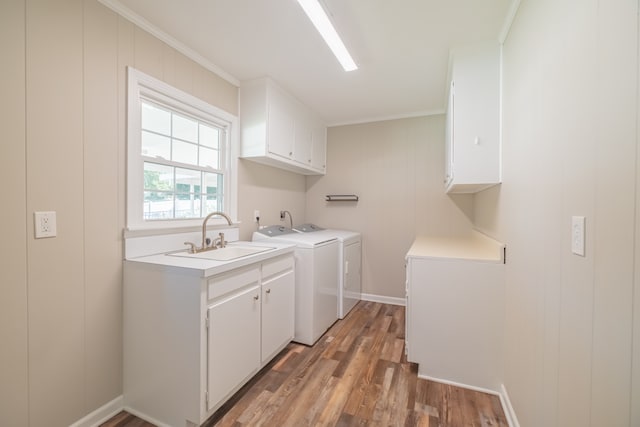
x=396 y=167
x=570 y=85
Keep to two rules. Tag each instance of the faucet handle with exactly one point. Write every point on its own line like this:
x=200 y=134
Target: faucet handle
x=222 y=242
x=192 y=247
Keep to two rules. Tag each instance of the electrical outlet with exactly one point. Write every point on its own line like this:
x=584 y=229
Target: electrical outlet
x=45 y=224
x=256 y=215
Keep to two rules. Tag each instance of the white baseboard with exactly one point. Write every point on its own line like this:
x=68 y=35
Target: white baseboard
x=145 y=417
x=461 y=385
x=101 y=414
x=509 y=412
x=383 y=299
x=508 y=408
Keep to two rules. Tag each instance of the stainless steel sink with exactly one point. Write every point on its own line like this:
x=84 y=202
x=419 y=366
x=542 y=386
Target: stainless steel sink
x=227 y=253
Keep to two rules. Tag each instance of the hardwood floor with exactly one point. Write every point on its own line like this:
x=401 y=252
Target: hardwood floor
x=356 y=374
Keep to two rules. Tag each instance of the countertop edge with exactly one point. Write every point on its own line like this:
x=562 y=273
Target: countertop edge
x=206 y=268
x=476 y=247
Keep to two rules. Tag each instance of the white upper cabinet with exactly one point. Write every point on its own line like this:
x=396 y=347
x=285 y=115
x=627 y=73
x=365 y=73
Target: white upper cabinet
x=473 y=120
x=279 y=131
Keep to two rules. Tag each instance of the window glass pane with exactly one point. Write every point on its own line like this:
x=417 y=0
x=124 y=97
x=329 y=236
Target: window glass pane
x=184 y=128
x=156 y=119
x=208 y=158
x=158 y=177
x=211 y=184
x=212 y=192
x=209 y=136
x=157 y=205
x=183 y=192
x=186 y=180
x=212 y=205
x=154 y=145
x=185 y=152
x=188 y=207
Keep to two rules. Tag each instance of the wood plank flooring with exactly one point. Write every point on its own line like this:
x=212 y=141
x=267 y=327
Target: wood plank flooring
x=356 y=374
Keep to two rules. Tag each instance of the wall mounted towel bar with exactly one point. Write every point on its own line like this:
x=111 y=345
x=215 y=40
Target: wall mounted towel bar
x=341 y=198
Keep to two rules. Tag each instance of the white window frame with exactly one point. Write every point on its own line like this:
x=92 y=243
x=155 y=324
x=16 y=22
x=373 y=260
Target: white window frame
x=142 y=86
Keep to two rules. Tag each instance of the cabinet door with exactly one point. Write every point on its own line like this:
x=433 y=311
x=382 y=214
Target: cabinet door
x=280 y=125
x=351 y=292
x=302 y=137
x=278 y=312
x=319 y=147
x=449 y=137
x=234 y=342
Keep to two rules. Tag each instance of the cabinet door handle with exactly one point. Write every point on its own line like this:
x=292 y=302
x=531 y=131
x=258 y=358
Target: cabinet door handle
x=268 y=291
x=257 y=297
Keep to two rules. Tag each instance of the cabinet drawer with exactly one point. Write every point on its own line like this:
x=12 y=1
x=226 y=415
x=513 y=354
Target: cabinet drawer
x=226 y=283
x=277 y=266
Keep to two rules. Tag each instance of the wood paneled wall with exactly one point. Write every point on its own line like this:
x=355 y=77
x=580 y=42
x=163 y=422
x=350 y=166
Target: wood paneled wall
x=63 y=120
x=570 y=147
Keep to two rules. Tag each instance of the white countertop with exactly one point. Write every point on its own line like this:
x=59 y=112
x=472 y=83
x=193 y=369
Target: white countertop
x=475 y=246
x=203 y=267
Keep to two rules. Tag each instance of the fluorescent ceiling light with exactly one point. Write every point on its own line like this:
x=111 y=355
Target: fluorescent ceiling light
x=316 y=13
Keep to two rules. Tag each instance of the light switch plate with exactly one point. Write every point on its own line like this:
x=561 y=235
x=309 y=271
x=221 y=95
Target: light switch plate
x=45 y=224
x=577 y=235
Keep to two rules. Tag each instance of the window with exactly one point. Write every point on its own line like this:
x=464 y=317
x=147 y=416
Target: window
x=179 y=162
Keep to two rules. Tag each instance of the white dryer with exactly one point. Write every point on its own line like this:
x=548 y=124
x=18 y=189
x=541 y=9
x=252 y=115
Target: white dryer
x=316 y=273
x=349 y=264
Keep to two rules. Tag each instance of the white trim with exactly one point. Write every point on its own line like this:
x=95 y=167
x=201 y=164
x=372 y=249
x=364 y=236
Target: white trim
x=508 y=20
x=509 y=412
x=138 y=20
x=383 y=299
x=461 y=385
x=145 y=417
x=101 y=414
x=423 y=113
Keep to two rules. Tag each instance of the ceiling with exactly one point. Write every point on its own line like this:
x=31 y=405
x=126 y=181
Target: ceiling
x=400 y=46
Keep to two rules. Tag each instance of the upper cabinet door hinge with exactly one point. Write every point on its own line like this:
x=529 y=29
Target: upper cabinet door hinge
x=206 y=322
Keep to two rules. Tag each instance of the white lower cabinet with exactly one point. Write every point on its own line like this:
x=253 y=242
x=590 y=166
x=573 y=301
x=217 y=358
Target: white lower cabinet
x=190 y=342
x=455 y=310
x=232 y=360
x=278 y=311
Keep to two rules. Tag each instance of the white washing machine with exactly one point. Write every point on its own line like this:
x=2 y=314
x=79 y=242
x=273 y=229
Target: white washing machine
x=316 y=279
x=349 y=264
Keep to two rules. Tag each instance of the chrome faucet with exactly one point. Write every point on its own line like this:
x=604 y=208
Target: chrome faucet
x=204 y=229
x=218 y=242
x=282 y=217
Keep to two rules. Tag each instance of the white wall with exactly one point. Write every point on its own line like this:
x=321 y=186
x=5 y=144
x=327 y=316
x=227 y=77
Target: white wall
x=13 y=223
x=270 y=191
x=397 y=169
x=570 y=148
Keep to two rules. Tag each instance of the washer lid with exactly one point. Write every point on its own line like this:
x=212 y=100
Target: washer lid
x=275 y=230
x=306 y=240
x=307 y=228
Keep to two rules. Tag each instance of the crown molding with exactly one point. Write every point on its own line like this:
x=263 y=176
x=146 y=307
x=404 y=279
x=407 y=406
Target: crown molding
x=138 y=20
